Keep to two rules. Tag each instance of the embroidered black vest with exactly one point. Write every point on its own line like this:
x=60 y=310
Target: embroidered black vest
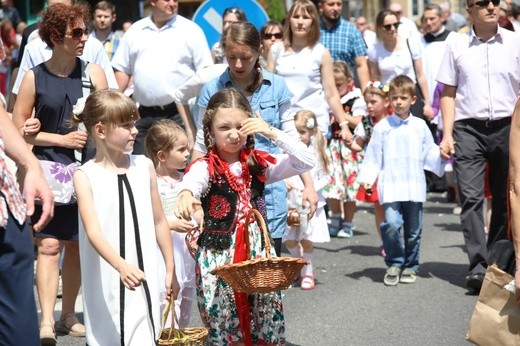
x=220 y=204
x=335 y=128
x=367 y=126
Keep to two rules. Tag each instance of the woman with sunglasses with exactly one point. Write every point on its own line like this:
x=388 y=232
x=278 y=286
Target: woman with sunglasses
x=51 y=89
x=393 y=55
x=230 y=15
x=271 y=32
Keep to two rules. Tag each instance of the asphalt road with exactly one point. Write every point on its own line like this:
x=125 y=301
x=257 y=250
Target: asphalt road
x=351 y=306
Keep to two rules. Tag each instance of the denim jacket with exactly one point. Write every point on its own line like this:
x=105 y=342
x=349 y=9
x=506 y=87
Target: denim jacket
x=272 y=100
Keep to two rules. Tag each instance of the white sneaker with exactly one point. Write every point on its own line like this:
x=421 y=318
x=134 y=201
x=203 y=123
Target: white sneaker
x=346 y=231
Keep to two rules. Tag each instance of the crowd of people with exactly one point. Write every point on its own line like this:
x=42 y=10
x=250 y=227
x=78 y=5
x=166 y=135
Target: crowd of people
x=300 y=120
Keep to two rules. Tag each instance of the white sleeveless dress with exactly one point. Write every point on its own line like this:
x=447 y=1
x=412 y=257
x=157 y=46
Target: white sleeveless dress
x=105 y=300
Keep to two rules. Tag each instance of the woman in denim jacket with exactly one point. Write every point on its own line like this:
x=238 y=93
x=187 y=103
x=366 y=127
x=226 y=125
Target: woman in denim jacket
x=270 y=99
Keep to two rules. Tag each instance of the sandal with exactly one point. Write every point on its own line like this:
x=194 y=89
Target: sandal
x=47 y=335
x=70 y=325
x=307 y=283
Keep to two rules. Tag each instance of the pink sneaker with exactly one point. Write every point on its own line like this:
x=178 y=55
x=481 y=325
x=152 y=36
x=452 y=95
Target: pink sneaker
x=307 y=283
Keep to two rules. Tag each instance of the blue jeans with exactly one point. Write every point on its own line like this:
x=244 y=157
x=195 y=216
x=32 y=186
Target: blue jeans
x=409 y=216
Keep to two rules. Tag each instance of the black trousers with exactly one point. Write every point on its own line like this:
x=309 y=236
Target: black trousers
x=149 y=115
x=18 y=316
x=477 y=143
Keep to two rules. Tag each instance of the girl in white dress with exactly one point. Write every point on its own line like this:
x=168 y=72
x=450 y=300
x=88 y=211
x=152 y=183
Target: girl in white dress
x=121 y=224
x=167 y=146
x=228 y=181
x=316 y=230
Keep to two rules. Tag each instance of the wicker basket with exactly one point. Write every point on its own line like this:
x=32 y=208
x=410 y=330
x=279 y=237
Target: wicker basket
x=184 y=336
x=262 y=275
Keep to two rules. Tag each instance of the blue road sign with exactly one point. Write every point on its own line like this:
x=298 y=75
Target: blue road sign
x=209 y=16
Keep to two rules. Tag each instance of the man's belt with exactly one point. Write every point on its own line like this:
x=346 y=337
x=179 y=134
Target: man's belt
x=158 y=108
x=487 y=123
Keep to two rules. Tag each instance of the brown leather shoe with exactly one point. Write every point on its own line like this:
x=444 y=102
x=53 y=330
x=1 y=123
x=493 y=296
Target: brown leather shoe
x=70 y=325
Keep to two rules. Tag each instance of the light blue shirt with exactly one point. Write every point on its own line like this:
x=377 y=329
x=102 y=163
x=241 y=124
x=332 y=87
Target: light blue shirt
x=272 y=100
x=398 y=153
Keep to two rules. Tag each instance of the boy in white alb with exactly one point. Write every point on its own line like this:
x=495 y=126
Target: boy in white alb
x=400 y=148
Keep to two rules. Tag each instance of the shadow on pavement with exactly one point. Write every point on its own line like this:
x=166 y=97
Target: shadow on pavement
x=446 y=209
x=341 y=249
x=451 y=227
x=374 y=274
x=452 y=273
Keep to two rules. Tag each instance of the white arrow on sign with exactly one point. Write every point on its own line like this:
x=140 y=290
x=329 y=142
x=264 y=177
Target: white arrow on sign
x=214 y=19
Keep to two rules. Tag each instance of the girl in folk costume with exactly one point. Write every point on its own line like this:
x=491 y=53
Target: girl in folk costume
x=315 y=231
x=342 y=189
x=228 y=181
x=122 y=223
x=378 y=108
x=167 y=146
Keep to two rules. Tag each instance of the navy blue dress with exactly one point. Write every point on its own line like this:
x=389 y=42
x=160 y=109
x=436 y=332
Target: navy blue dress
x=55 y=97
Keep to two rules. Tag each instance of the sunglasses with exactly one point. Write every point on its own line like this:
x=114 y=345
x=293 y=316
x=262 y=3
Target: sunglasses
x=77 y=33
x=388 y=27
x=277 y=35
x=485 y=3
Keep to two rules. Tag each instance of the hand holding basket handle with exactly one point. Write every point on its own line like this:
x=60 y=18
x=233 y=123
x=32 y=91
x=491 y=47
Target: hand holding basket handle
x=179 y=336
x=261 y=275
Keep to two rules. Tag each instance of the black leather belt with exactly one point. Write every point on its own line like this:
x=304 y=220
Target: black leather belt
x=158 y=108
x=487 y=123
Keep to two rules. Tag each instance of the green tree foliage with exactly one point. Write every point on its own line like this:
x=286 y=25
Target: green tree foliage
x=275 y=9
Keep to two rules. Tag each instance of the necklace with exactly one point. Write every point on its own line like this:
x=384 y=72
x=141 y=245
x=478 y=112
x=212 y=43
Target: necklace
x=171 y=182
x=233 y=180
x=219 y=169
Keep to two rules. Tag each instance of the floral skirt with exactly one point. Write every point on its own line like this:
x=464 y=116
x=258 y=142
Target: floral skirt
x=216 y=300
x=343 y=171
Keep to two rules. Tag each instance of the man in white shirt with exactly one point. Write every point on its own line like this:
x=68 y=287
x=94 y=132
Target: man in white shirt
x=102 y=20
x=368 y=35
x=408 y=27
x=434 y=42
x=160 y=52
x=481 y=78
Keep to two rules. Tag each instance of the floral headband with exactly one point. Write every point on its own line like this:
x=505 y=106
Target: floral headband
x=378 y=85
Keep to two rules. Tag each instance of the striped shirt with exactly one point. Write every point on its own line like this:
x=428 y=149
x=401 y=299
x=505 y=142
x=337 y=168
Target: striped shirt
x=344 y=42
x=111 y=42
x=10 y=198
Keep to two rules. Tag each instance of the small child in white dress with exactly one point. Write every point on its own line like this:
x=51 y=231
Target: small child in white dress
x=315 y=230
x=167 y=146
